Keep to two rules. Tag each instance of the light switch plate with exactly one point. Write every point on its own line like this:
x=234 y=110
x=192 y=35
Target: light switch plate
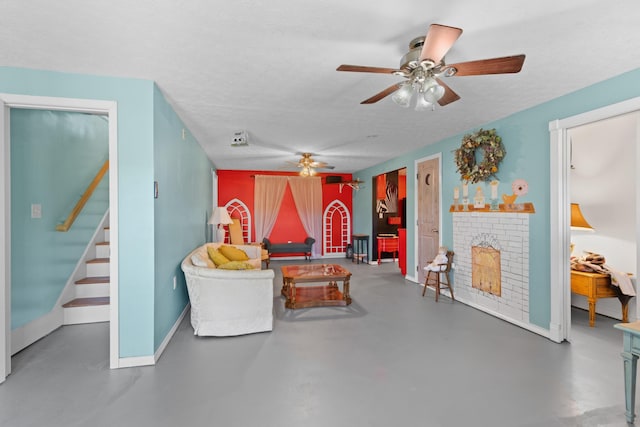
x=36 y=210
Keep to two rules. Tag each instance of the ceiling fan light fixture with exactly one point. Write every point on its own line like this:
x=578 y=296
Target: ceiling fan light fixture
x=402 y=96
x=431 y=91
x=422 y=104
x=434 y=93
x=307 y=171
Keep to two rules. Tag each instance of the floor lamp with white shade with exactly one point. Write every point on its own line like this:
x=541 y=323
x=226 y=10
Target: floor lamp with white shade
x=220 y=217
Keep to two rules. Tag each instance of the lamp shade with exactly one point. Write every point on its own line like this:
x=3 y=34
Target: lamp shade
x=578 y=222
x=220 y=216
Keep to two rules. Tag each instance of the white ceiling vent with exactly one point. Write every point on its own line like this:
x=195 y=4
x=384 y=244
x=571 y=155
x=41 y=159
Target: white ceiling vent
x=240 y=139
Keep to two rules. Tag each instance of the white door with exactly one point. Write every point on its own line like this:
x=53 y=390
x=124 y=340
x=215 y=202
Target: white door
x=428 y=232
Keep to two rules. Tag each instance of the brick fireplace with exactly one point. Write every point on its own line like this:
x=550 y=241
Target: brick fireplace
x=492 y=262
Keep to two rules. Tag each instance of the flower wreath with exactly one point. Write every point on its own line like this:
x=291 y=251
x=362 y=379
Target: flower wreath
x=465 y=156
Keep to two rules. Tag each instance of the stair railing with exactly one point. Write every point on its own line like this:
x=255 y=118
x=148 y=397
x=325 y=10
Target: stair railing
x=66 y=225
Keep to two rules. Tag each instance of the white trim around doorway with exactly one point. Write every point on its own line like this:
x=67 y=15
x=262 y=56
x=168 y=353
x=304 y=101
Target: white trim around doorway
x=560 y=320
x=107 y=108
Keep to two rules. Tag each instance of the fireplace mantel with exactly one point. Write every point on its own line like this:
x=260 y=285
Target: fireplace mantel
x=502 y=208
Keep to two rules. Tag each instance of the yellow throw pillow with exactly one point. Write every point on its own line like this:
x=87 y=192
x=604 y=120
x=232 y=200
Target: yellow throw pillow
x=217 y=258
x=236 y=265
x=233 y=253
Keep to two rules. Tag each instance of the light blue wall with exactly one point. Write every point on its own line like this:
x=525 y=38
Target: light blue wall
x=54 y=157
x=135 y=179
x=526 y=138
x=182 y=209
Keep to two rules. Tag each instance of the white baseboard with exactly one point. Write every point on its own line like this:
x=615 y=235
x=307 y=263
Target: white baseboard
x=525 y=325
x=334 y=255
x=173 y=330
x=26 y=335
x=131 y=362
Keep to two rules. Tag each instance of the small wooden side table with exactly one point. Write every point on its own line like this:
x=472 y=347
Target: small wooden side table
x=387 y=244
x=595 y=286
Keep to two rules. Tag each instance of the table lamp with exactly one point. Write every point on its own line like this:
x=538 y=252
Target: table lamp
x=220 y=217
x=578 y=222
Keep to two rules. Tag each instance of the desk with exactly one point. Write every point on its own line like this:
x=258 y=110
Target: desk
x=630 y=352
x=595 y=286
x=360 y=246
x=387 y=244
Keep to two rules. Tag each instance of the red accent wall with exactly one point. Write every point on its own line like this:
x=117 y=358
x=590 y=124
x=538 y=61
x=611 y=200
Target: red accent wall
x=402 y=186
x=234 y=184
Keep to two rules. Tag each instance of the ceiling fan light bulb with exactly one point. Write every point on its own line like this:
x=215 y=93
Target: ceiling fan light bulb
x=434 y=93
x=402 y=96
x=422 y=104
x=307 y=171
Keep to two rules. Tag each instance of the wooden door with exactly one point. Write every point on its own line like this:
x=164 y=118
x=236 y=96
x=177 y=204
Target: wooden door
x=428 y=213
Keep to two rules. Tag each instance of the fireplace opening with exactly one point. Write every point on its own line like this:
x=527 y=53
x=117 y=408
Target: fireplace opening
x=485 y=269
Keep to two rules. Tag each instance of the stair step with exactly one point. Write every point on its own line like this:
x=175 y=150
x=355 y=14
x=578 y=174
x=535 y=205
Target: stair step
x=91 y=280
x=98 y=261
x=87 y=310
x=103 y=250
x=86 y=290
x=98 y=267
x=87 y=302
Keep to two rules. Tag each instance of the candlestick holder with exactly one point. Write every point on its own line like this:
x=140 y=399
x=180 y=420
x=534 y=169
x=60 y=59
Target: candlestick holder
x=465 y=204
x=455 y=203
x=495 y=205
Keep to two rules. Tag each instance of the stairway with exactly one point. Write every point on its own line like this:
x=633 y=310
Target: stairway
x=91 y=302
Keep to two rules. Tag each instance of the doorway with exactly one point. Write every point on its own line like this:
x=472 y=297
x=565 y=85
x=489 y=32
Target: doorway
x=106 y=108
x=389 y=216
x=560 y=198
x=603 y=187
x=427 y=212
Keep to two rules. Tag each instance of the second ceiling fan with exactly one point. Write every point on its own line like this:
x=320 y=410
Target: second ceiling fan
x=308 y=165
x=424 y=66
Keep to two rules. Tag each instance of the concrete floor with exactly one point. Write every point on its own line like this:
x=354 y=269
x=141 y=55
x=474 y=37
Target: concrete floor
x=392 y=358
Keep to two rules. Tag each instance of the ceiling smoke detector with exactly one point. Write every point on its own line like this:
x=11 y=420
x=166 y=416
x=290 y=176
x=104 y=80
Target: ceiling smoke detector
x=240 y=139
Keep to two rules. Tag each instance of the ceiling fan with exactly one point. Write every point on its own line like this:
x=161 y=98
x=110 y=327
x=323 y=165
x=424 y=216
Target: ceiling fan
x=308 y=166
x=424 y=66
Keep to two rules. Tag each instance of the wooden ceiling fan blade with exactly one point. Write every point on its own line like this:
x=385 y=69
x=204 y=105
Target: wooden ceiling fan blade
x=449 y=95
x=438 y=41
x=503 y=65
x=378 y=96
x=365 y=69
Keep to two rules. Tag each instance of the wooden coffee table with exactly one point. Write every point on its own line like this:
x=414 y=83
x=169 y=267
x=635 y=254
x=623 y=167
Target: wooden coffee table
x=315 y=296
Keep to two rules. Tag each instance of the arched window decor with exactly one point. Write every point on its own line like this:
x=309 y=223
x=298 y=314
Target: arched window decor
x=237 y=209
x=336 y=222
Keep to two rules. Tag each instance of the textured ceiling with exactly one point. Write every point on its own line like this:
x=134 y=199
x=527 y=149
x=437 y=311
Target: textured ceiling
x=268 y=68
